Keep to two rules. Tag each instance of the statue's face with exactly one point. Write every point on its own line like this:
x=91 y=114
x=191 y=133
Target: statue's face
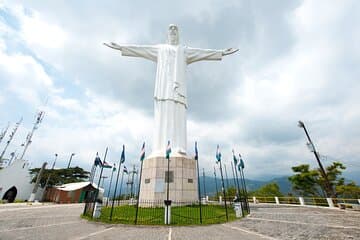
x=173 y=35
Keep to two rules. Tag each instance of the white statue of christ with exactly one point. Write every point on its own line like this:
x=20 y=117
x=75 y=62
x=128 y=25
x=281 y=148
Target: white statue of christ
x=170 y=102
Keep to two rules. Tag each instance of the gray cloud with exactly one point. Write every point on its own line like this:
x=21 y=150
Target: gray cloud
x=297 y=70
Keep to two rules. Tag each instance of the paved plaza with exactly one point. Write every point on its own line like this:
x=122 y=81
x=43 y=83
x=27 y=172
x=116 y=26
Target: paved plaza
x=21 y=221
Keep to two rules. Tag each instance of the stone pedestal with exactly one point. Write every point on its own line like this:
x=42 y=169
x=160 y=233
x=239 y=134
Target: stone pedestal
x=183 y=180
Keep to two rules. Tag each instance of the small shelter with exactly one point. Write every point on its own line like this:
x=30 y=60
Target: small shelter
x=76 y=192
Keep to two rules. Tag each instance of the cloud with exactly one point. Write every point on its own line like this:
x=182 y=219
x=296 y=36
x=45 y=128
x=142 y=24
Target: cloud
x=297 y=60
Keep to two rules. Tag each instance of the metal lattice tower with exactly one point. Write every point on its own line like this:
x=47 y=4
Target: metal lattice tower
x=39 y=118
x=3 y=132
x=12 y=134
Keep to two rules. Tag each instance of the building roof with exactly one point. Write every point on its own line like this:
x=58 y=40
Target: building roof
x=76 y=186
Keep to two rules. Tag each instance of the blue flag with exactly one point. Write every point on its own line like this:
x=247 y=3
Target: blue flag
x=168 y=150
x=97 y=161
x=234 y=158
x=242 y=164
x=142 y=154
x=218 y=154
x=196 y=152
x=122 y=158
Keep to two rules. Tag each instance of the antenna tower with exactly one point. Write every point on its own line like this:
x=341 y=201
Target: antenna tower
x=12 y=134
x=39 y=118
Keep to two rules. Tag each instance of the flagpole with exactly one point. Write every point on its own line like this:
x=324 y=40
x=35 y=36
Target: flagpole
x=91 y=180
x=243 y=187
x=168 y=202
x=117 y=180
x=239 y=192
x=224 y=193
x=108 y=196
x=233 y=173
x=204 y=183
x=138 y=193
x=215 y=183
x=197 y=166
x=92 y=173
x=116 y=183
x=227 y=179
x=121 y=183
x=98 y=186
x=245 y=193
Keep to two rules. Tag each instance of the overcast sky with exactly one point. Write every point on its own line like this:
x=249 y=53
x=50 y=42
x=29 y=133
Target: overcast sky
x=298 y=60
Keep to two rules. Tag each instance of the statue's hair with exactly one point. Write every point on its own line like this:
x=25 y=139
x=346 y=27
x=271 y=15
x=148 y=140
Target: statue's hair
x=173 y=26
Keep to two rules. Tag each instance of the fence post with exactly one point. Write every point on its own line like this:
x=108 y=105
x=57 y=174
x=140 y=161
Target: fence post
x=359 y=201
x=220 y=199
x=254 y=200
x=330 y=202
x=277 y=200
x=302 y=202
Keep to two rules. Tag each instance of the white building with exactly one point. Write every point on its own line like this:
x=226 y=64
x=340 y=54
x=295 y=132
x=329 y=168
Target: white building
x=15 y=182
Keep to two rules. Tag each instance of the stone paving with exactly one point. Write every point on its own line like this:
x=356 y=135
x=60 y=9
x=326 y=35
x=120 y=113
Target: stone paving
x=21 y=221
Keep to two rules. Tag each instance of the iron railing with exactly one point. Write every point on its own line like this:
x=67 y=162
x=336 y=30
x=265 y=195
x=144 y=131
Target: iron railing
x=153 y=212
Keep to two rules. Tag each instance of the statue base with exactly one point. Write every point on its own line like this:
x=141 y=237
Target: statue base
x=183 y=185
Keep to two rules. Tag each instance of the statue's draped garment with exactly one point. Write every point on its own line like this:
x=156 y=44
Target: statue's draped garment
x=170 y=101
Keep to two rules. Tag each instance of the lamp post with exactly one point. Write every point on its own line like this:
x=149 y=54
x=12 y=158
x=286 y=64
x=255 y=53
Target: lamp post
x=329 y=190
x=71 y=156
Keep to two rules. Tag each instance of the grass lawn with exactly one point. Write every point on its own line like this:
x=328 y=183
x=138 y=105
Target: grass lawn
x=180 y=215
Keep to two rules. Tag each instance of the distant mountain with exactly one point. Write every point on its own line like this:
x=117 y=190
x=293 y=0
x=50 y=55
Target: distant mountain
x=284 y=184
x=251 y=185
x=210 y=185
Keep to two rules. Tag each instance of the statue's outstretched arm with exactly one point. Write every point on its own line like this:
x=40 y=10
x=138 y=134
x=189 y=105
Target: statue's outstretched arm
x=113 y=45
x=229 y=51
x=144 y=51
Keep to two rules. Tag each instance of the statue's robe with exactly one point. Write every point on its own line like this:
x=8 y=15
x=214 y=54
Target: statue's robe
x=170 y=101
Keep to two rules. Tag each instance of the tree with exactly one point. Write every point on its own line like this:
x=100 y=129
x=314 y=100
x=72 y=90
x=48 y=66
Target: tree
x=334 y=172
x=305 y=181
x=268 y=190
x=230 y=193
x=60 y=176
x=350 y=190
x=311 y=183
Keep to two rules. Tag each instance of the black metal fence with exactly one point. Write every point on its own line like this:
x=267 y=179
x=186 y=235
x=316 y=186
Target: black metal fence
x=153 y=212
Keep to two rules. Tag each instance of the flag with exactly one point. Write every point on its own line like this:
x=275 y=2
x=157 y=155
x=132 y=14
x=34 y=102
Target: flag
x=114 y=167
x=218 y=154
x=125 y=170
x=142 y=154
x=97 y=161
x=106 y=165
x=196 y=152
x=122 y=158
x=241 y=164
x=234 y=158
x=168 y=150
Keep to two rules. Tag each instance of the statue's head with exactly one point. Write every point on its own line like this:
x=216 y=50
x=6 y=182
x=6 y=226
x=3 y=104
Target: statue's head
x=173 y=35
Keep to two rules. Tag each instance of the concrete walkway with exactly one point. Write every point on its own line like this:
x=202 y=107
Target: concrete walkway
x=265 y=222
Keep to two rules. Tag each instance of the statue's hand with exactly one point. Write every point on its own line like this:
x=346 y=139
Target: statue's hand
x=113 y=45
x=229 y=51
